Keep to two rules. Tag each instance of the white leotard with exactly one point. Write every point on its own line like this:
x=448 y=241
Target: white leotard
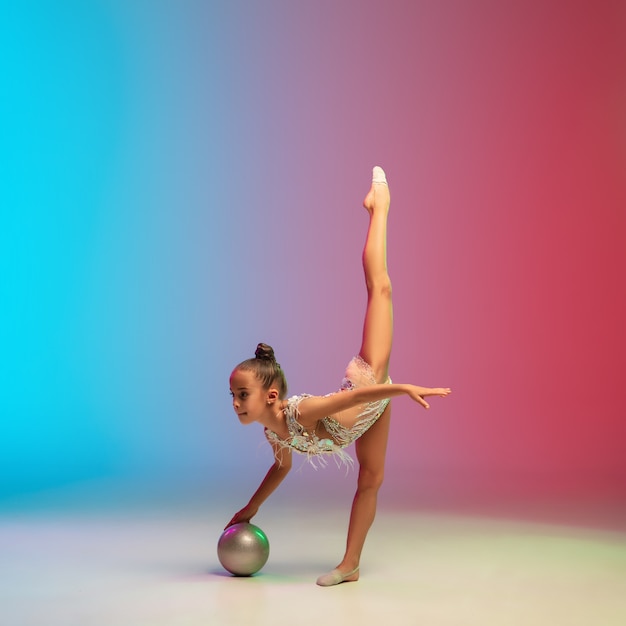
x=358 y=374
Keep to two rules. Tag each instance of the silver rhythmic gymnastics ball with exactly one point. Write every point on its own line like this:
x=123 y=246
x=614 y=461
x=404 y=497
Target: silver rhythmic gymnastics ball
x=243 y=549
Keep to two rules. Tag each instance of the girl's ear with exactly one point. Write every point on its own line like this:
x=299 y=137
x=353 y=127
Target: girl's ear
x=272 y=395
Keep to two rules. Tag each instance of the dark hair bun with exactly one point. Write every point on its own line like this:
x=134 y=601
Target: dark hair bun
x=265 y=352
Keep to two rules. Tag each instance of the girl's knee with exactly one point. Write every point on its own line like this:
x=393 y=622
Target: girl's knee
x=370 y=480
x=380 y=287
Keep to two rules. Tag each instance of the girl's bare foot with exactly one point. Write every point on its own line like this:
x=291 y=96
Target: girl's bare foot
x=378 y=195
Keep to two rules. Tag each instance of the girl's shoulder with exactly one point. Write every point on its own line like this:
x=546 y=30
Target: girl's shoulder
x=294 y=401
x=292 y=408
x=292 y=417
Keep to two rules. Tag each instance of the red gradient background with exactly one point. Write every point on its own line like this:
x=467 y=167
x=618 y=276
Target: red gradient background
x=502 y=129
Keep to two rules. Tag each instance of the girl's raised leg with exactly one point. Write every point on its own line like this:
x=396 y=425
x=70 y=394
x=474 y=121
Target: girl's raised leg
x=378 y=324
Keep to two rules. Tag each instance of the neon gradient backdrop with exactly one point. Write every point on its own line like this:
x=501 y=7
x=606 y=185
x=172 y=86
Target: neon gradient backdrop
x=184 y=179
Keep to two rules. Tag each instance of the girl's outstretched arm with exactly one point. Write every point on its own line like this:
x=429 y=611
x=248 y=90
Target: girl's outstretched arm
x=317 y=407
x=273 y=478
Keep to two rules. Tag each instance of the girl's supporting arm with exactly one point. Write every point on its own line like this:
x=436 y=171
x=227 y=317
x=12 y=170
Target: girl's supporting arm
x=273 y=478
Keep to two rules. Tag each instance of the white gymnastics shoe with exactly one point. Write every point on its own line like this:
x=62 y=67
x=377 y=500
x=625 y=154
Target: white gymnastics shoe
x=378 y=175
x=335 y=577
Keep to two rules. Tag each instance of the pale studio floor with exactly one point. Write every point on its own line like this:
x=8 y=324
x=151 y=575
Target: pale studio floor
x=157 y=565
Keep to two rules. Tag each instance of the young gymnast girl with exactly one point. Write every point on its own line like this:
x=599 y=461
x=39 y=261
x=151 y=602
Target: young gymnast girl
x=321 y=426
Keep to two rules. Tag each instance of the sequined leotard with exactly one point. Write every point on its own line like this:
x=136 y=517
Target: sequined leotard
x=358 y=374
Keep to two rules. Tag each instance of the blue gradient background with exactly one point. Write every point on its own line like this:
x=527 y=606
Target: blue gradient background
x=181 y=180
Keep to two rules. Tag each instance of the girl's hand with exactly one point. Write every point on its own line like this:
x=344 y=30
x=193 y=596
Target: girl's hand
x=245 y=515
x=419 y=393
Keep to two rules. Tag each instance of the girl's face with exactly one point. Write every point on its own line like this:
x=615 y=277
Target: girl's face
x=250 y=400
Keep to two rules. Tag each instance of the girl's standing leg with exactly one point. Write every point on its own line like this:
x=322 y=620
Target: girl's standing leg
x=375 y=349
